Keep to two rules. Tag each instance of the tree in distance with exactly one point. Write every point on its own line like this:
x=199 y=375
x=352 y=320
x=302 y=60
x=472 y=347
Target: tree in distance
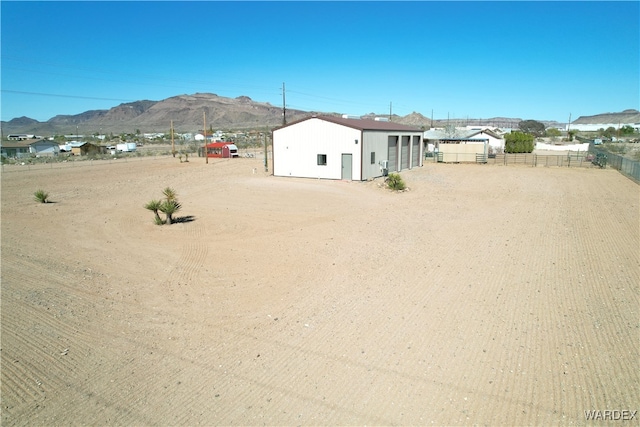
x=518 y=142
x=532 y=127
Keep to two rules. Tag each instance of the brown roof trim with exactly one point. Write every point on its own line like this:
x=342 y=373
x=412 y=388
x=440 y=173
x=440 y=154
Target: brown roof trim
x=360 y=124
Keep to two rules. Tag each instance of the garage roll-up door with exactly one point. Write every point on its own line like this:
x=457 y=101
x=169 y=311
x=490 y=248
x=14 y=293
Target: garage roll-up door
x=392 y=154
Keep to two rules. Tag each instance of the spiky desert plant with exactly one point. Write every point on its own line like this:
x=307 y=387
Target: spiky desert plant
x=41 y=196
x=395 y=182
x=170 y=193
x=154 y=205
x=169 y=207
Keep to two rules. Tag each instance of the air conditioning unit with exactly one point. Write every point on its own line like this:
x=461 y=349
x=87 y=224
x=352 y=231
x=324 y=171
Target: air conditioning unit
x=384 y=166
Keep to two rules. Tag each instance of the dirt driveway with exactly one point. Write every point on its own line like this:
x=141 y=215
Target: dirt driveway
x=484 y=295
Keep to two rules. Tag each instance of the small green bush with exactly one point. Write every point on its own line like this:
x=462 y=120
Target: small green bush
x=395 y=182
x=41 y=196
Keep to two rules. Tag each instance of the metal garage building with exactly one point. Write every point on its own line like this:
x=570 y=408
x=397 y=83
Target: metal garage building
x=344 y=148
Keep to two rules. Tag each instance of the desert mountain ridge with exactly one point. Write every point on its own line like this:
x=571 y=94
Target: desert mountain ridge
x=241 y=113
x=623 y=117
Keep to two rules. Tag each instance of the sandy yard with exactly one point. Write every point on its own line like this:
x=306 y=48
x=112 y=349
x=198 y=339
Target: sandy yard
x=485 y=295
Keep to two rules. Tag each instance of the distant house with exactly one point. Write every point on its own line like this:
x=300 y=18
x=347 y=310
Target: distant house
x=346 y=148
x=84 y=148
x=44 y=147
x=209 y=136
x=459 y=150
x=465 y=142
x=29 y=148
x=20 y=137
x=495 y=140
x=594 y=127
x=14 y=150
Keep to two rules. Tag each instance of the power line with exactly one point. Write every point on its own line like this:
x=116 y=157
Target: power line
x=66 y=96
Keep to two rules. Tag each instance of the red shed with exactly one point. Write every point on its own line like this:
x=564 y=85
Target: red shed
x=222 y=149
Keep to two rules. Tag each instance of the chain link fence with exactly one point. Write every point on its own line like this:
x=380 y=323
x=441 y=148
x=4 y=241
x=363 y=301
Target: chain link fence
x=588 y=159
x=626 y=166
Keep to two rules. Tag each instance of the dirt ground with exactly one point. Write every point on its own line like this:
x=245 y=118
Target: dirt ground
x=486 y=294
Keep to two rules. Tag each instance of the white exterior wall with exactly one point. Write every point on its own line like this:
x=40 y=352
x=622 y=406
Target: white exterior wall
x=493 y=142
x=594 y=127
x=50 y=148
x=584 y=147
x=378 y=143
x=296 y=149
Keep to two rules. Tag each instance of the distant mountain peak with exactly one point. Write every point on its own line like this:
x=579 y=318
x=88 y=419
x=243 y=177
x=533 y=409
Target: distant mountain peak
x=624 y=117
x=185 y=111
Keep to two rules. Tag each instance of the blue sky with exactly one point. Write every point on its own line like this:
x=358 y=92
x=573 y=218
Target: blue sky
x=533 y=60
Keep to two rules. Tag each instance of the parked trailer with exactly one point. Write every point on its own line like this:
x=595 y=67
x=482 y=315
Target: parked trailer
x=126 y=147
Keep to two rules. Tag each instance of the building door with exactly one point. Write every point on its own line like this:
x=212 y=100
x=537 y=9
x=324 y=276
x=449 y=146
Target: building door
x=392 y=153
x=415 y=152
x=347 y=166
x=404 y=153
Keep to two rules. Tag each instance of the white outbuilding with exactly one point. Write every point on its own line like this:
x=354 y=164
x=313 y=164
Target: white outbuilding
x=332 y=147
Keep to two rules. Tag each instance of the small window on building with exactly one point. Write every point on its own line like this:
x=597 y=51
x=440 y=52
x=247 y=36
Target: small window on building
x=373 y=157
x=322 y=159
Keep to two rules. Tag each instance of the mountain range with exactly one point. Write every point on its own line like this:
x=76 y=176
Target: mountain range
x=189 y=112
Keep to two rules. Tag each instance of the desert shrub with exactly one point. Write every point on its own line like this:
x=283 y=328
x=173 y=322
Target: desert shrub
x=395 y=182
x=169 y=206
x=618 y=149
x=41 y=196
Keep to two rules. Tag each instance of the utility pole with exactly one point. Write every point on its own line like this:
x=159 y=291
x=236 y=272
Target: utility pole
x=204 y=124
x=284 y=107
x=266 y=152
x=173 y=145
x=390 y=106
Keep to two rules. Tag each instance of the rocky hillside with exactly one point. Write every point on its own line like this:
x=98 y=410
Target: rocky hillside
x=624 y=117
x=186 y=112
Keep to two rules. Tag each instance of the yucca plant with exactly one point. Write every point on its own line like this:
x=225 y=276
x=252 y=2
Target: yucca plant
x=154 y=205
x=169 y=193
x=41 y=196
x=169 y=207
